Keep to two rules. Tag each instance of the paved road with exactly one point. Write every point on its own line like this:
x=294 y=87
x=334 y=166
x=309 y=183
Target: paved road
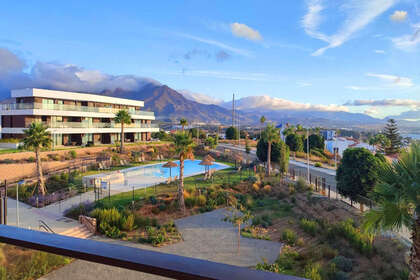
x=205 y=236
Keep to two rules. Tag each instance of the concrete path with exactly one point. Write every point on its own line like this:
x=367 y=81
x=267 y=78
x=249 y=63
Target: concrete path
x=206 y=236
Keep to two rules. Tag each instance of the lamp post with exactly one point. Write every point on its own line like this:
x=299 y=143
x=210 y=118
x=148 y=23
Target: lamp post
x=307 y=153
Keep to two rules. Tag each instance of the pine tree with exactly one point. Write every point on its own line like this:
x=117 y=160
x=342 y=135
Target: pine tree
x=391 y=132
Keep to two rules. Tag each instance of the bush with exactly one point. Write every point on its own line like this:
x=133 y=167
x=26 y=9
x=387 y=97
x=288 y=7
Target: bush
x=156 y=236
x=357 y=239
x=128 y=223
x=310 y=227
x=343 y=263
x=301 y=185
x=318 y=164
x=270 y=267
x=312 y=271
x=31 y=159
x=111 y=217
x=289 y=237
x=200 y=200
x=72 y=154
x=189 y=202
x=110 y=231
x=142 y=222
x=153 y=200
x=77 y=210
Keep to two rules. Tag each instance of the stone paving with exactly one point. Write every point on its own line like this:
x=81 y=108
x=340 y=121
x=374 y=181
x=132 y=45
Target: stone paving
x=205 y=236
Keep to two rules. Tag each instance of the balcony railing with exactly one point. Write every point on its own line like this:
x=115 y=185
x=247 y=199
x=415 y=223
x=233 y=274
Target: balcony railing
x=65 y=107
x=167 y=265
x=98 y=125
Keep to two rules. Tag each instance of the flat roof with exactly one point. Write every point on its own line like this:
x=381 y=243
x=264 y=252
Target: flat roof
x=68 y=95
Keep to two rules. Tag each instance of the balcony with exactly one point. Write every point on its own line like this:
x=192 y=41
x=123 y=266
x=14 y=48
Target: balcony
x=98 y=125
x=64 y=107
x=157 y=263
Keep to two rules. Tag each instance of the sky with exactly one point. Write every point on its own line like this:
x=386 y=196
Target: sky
x=354 y=55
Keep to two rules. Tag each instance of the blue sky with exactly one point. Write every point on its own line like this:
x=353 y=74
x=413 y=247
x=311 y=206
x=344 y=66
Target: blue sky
x=319 y=52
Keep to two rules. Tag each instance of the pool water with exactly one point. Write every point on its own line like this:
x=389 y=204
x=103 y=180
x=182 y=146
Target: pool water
x=191 y=167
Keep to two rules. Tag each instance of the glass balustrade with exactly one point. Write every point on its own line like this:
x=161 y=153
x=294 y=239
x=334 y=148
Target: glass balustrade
x=64 y=107
x=98 y=125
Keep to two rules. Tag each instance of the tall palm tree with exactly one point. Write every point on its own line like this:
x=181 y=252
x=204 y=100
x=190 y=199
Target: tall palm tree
x=270 y=134
x=184 y=148
x=183 y=122
x=262 y=121
x=36 y=138
x=122 y=117
x=398 y=192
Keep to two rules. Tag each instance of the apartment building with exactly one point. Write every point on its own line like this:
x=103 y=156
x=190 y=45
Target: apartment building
x=74 y=118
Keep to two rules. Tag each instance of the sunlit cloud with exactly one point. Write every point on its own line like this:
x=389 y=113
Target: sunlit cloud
x=398 y=16
x=244 y=31
x=385 y=102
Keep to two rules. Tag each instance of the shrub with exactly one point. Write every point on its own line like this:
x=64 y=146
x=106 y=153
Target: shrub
x=162 y=207
x=289 y=237
x=328 y=252
x=310 y=227
x=318 y=164
x=156 y=236
x=343 y=263
x=77 y=210
x=312 y=271
x=301 y=185
x=189 y=202
x=72 y=154
x=111 y=217
x=142 y=222
x=31 y=159
x=110 y=231
x=128 y=223
x=153 y=200
x=200 y=200
x=270 y=267
x=357 y=239
x=155 y=210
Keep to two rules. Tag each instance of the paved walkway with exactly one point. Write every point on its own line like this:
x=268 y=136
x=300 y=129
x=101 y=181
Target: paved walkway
x=205 y=236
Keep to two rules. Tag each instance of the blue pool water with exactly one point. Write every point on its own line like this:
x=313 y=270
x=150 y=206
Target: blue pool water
x=191 y=167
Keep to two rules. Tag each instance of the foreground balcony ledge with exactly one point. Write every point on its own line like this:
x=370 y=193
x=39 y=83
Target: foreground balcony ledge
x=168 y=265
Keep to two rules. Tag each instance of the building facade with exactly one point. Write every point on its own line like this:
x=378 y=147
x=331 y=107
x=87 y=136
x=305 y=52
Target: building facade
x=74 y=118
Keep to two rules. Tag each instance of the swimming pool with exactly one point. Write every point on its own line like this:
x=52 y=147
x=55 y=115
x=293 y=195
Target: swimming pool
x=145 y=175
x=191 y=167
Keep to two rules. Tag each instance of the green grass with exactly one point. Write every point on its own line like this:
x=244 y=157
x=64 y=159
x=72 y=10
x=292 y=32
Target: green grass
x=10 y=151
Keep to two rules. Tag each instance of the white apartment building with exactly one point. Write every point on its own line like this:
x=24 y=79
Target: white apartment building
x=74 y=118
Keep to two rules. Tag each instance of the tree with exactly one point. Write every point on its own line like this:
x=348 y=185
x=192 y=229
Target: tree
x=399 y=202
x=184 y=146
x=270 y=135
x=239 y=216
x=391 y=132
x=36 y=138
x=232 y=133
x=380 y=141
x=295 y=143
x=183 y=122
x=356 y=173
x=122 y=117
x=262 y=121
x=211 y=142
x=315 y=142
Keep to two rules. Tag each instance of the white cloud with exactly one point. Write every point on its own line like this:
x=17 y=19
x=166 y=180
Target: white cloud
x=304 y=84
x=273 y=103
x=398 y=16
x=393 y=80
x=371 y=111
x=385 y=102
x=244 y=31
x=245 y=76
x=200 y=97
x=408 y=42
x=379 y=51
x=358 y=14
x=217 y=44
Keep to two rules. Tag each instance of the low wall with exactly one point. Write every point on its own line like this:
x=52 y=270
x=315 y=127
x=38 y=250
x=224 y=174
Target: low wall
x=9 y=145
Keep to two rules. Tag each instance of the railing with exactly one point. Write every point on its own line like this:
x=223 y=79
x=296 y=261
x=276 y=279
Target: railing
x=167 y=265
x=43 y=225
x=98 y=125
x=66 y=107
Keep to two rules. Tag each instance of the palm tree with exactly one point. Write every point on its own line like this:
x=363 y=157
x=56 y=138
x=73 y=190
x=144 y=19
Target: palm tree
x=122 y=117
x=36 y=138
x=184 y=148
x=262 y=121
x=183 y=122
x=270 y=134
x=398 y=193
